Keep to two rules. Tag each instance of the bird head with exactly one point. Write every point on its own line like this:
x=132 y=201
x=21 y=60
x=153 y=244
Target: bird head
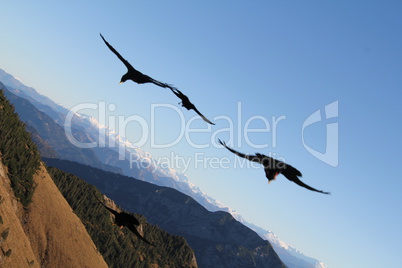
x=124 y=78
x=271 y=174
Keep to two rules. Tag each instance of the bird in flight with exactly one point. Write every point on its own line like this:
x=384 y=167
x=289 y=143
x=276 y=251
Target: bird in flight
x=273 y=167
x=123 y=219
x=132 y=73
x=185 y=102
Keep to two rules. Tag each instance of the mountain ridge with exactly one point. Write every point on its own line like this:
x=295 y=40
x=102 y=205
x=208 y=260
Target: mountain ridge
x=217 y=238
x=120 y=247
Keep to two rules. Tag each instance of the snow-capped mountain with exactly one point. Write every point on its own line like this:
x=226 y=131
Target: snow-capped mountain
x=104 y=136
x=291 y=256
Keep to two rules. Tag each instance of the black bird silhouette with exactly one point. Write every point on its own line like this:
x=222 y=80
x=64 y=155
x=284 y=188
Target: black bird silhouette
x=185 y=102
x=123 y=219
x=273 y=167
x=132 y=73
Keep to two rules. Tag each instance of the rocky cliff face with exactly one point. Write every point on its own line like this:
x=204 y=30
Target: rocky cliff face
x=47 y=233
x=58 y=234
x=15 y=247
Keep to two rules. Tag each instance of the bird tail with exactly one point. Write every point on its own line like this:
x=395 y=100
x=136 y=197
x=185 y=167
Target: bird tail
x=222 y=143
x=292 y=174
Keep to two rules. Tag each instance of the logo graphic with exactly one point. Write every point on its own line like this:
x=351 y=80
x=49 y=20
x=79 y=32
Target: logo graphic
x=330 y=156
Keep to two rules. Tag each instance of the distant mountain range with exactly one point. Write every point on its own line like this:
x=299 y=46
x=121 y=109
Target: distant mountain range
x=217 y=239
x=44 y=225
x=49 y=133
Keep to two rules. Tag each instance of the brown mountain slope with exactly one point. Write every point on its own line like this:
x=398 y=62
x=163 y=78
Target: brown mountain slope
x=39 y=227
x=47 y=234
x=15 y=248
x=58 y=237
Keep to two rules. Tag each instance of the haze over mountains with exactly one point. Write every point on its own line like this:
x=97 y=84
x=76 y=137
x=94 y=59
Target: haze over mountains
x=226 y=243
x=44 y=225
x=46 y=119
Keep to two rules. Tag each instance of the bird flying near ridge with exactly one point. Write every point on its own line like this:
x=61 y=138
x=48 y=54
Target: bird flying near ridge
x=273 y=167
x=132 y=73
x=123 y=219
x=185 y=102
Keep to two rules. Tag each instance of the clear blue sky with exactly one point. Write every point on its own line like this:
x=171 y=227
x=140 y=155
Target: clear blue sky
x=278 y=59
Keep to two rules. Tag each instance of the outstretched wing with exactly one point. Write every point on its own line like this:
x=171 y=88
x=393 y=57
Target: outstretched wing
x=202 y=116
x=114 y=212
x=188 y=104
x=253 y=158
x=128 y=65
x=176 y=91
x=161 y=84
x=292 y=174
x=133 y=229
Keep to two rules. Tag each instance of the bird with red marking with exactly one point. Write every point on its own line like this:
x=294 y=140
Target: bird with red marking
x=274 y=167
